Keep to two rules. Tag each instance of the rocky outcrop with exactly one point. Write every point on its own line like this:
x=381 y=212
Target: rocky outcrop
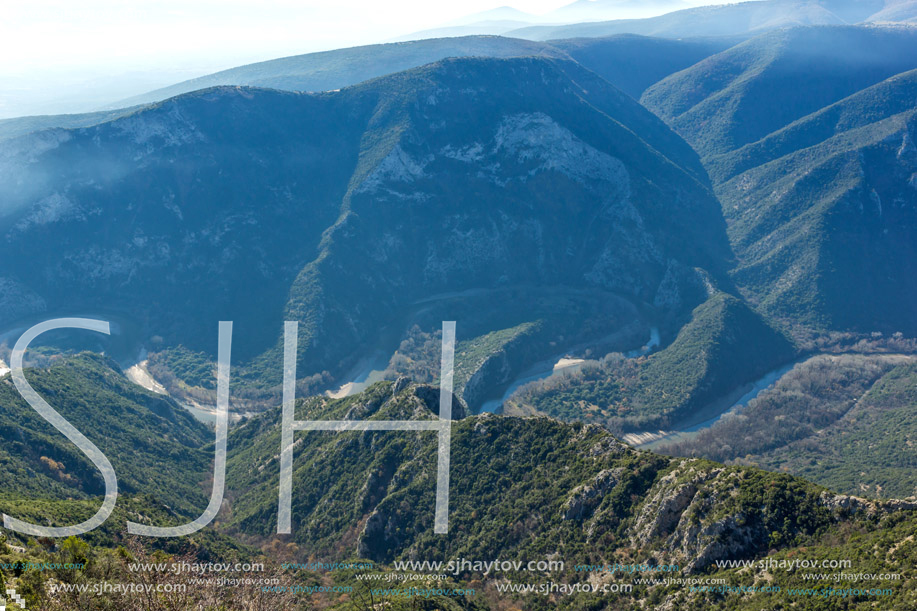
x=702 y=545
x=682 y=510
x=693 y=516
x=845 y=504
x=429 y=396
x=662 y=512
x=584 y=499
x=495 y=370
x=608 y=446
x=400 y=384
x=377 y=537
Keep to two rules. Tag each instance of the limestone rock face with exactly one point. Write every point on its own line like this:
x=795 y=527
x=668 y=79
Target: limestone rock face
x=584 y=499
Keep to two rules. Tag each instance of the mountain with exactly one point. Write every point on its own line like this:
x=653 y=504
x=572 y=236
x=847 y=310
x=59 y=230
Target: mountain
x=813 y=168
x=20 y=126
x=507 y=19
x=157 y=449
x=828 y=229
x=741 y=19
x=153 y=443
x=329 y=70
x=755 y=217
x=520 y=134
x=632 y=63
x=170 y=217
x=599 y=489
x=521 y=488
x=744 y=93
x=397 y=178
x=491 y=27
x=904 y=11
x=871 y=105
x=491 y=22
x=604 y=10
x=629 y=62
x=501 y=13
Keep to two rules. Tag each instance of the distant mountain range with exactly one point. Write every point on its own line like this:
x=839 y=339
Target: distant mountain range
x=603 y=10
x=580 y=19
x=477 y=35
x=731 y=22
x=631 y=63
x=506 y=19
x=744 y=18
x=330 y=70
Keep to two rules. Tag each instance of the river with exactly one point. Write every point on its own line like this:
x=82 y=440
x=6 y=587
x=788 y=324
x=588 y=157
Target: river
x=563 y=366
x=724 y=407
x=560 y=365
x=137 y=372
x=712 y=413
x=363 y=375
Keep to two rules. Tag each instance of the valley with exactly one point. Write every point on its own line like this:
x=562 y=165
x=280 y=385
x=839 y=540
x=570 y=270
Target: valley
x=681 y=255
x=708 y=416
x=563 y=364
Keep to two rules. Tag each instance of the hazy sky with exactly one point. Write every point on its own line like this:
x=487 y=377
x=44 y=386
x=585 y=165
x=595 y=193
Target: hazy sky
x=84 y=47
x=61 y=34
